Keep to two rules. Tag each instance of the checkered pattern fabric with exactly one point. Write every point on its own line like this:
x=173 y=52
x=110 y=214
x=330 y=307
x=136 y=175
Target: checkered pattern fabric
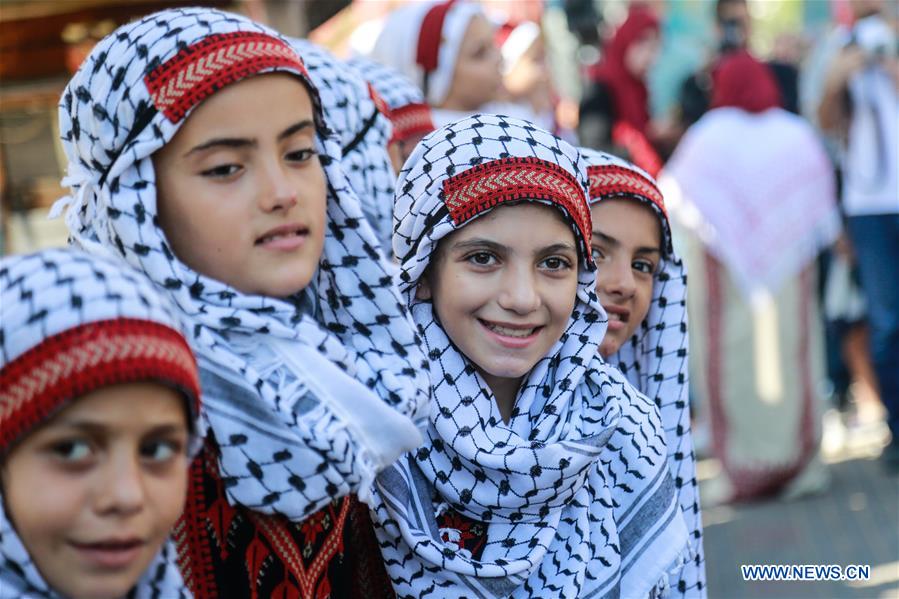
x=71 y=323
x=363 y=130
x=654 y=360
x=573 y=491
x=296 y=446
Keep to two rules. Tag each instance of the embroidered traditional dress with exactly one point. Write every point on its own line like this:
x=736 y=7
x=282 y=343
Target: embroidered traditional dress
x=753 y=216
x=654 y=360
x=306 y=398
x=572 y=497
x=70 y=324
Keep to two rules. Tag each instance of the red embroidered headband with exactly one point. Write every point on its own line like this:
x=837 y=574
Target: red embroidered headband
x=201 y=69
x=410 y=120
x=85 y=358
x=512 y=179
x=430 y=35
x=611 y=180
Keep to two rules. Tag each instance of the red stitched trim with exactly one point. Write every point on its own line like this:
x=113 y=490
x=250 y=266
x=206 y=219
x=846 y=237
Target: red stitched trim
x=509 y=179
x=199 y=70
x=380 y=104
x=410 y=120
x=430 y=36
x=87 y=357
x=611 y=180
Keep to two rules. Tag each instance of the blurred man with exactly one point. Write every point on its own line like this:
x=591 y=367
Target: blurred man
x=860 y=102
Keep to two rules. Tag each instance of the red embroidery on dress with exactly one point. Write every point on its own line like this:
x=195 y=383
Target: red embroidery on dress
x=194 y=559
x=201 y=69
x=510 y=179
x=409 y=120
x=313 y=580
x=256 y=555
x=82 y=358
x=611 y=180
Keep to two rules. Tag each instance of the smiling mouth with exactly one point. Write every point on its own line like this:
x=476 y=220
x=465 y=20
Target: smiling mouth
x=507 y=331
x=282 y=234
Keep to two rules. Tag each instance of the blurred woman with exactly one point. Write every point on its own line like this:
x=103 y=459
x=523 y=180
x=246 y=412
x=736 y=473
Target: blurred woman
x=614 y=114
x=753 y=187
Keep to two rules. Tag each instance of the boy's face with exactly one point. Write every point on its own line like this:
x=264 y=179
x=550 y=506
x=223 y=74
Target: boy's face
x=477 y=78
x=94 y=492
x=241 y=191
x=627 y=241
x=504 y=287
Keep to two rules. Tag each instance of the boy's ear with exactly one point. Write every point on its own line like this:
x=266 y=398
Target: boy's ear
x=423 y=291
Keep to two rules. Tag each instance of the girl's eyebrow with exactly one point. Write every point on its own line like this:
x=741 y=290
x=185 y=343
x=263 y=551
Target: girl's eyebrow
x=242 y=142
x=611 y=241
x=556 y=247
x=478 y=243
x=99 y=427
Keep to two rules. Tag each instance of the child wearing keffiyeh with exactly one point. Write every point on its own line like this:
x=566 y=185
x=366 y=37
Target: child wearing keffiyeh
x=199 y=155
x=404 y=104
x=642 y=285
x=100 y=397
x=543 y=472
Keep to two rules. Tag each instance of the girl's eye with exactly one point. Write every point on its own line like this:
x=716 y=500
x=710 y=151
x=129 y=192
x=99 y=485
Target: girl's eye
x=71 y=451
x=643 y=267
x=160 y=451
x=556 y=263
x=597 y=254
x=301 y=155
x=222 y=171
x=481 y=259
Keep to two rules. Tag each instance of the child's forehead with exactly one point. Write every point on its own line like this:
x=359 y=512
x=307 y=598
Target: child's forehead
x=522 y=228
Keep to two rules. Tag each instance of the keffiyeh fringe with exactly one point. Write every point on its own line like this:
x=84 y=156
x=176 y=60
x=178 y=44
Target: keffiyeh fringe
x=277 y=453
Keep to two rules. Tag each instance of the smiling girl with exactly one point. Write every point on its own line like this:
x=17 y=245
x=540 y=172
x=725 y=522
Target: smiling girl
x=100 y=397
x=198 y=154
x=543 y=473
x=642 y=285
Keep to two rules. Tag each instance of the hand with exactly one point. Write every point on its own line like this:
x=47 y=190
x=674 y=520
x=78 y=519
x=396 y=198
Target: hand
x=848 y=62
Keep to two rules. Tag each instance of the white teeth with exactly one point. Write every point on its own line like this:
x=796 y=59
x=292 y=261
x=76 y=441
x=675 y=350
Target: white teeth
x=507 y=332
x=613 y=316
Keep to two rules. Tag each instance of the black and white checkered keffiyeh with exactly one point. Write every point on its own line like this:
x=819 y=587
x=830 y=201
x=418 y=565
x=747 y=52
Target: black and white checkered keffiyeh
x=336 y=373
x=654 y=360
x=395 y=89
x=44 y=295
x=363 y=131
x=574 y=490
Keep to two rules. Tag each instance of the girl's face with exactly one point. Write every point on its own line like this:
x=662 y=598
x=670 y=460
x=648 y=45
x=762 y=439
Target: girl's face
x=94 y=492
x=477 y=79
x=641 y=55
x=241 y=191
x=530 y=74
x=627 y=242
x=504 y=287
